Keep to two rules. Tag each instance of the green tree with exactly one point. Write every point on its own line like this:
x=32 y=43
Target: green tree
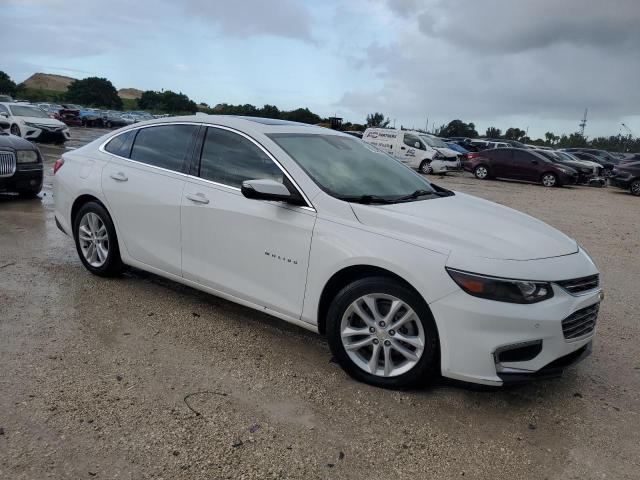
x=493 y=132
x=94 y=92
x=303 y=115
x=551 y=138
x=270 y=111
x=7 y=86
x=166 y=102
x=377 y=120
x=457 y=128
x=514 y=133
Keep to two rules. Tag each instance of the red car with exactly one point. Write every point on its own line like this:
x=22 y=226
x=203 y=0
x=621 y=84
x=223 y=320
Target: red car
x=519 y=164
x=70 y=117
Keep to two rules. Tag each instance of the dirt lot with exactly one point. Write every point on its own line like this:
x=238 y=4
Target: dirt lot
x=94 y=374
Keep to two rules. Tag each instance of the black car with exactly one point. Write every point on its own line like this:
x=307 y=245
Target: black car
x=20 y=166
x=603 y=155
x=606 y=165
x=585 y=173
x=627 y=176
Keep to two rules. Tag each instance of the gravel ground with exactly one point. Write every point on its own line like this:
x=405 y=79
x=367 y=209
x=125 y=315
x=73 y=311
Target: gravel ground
x=139 y=377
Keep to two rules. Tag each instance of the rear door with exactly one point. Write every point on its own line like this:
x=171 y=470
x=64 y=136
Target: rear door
x=501 y=162
x=254 y=250
x=143 y=184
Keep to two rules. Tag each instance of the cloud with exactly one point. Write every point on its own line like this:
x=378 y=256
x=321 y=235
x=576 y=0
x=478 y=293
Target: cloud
x=246 y=18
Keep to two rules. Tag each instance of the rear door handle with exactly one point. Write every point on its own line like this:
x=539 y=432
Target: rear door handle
x=197 y=198
x=119 y=177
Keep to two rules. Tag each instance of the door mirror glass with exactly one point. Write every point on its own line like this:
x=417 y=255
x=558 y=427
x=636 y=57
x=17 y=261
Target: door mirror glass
x=416 y=144
x=267 y=189
x=4 y=114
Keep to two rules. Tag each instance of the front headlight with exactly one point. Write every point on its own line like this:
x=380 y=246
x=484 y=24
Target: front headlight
x=26 y=156
x=33 y=125
x=501 y=289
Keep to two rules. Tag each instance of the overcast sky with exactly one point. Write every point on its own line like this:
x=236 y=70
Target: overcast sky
x=525 y=63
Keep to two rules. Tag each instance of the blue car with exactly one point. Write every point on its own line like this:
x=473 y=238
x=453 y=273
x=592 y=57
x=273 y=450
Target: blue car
x=457 y=148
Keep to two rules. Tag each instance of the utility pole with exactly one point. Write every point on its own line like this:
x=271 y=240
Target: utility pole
x=583 y=123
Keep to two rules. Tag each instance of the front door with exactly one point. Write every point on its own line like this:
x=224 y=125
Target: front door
x=252 y=249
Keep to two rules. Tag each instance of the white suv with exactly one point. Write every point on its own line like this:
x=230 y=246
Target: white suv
x=406 y=279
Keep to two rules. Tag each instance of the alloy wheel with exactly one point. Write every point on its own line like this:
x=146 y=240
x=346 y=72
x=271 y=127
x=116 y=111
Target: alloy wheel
x=425 y=167
x=548 y=180
x=481 y=172
x=382 y=335
x=635 y=188
x=94 y=239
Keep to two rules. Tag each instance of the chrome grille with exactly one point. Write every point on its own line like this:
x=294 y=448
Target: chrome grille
x=576 y=286
x=7 y=164
x=581 y=322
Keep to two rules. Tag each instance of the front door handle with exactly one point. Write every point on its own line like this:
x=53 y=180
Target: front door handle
x=197 y=198
x=119 y=177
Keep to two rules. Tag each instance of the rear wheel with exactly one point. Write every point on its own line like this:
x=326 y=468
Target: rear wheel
x=425 y=167
x=382 y=333
x=549 y=179
x=481 y=172
x=15 y=130
x=96 y=240
x=635 y=187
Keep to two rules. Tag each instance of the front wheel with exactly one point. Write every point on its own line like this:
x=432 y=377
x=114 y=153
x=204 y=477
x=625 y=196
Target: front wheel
x=549 y=180
x=635 y=188
x=382 y=333
x=96 y=240
x=425 y=167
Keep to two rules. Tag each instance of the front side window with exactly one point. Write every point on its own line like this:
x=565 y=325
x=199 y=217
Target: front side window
x=413 y=141
x=121 y=145
x=164 y=146
x=347 y=168
x=230 y=159
x=433 y=141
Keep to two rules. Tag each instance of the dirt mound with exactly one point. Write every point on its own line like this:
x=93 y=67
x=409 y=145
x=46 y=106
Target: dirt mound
x=48 y=81
x=130 y=93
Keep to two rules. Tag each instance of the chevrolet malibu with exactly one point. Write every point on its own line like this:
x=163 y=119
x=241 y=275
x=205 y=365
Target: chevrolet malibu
x=406 y=279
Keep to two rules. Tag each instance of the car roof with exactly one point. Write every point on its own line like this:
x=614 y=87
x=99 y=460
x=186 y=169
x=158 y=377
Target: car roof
x=255 y=124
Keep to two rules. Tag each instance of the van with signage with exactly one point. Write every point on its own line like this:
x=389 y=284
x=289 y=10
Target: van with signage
x=410 y=149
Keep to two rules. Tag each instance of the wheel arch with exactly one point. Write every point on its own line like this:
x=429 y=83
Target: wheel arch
x=82 y=200
x=343 y=277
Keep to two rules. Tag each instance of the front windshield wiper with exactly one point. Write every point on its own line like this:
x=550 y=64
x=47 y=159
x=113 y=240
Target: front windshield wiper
x=414 y=195
x=366 y=199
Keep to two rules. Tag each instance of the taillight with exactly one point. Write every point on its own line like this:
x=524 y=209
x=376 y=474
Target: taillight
x=471 y=155
x=58 y=165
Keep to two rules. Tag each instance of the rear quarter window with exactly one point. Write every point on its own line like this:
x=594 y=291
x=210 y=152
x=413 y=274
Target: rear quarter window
x=121 y=145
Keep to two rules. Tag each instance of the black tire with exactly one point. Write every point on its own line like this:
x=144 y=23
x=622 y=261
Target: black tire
x=634 y=188
x=544 y=182
x=481 y=172
x=15 y=130
x=113 y=265
x=429 y=363
x=425 y=167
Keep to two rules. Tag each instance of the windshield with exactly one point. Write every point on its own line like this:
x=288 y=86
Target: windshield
x=26 y=111
x=433 y=141
x=347 y=168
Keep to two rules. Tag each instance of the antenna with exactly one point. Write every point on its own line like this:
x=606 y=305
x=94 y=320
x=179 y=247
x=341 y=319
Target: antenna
x=583 y=123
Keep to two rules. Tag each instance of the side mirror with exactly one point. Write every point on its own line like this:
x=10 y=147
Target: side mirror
x=417 y=144
x=535 y=162
x=267 y=189
x=4 y=114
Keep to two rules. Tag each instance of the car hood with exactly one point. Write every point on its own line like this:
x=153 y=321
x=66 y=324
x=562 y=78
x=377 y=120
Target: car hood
x=447 y=152
x=467 y=225
x=14 y=142
x=43 y=121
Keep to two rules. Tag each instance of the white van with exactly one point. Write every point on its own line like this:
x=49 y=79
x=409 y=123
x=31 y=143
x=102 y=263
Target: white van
x=410 y=149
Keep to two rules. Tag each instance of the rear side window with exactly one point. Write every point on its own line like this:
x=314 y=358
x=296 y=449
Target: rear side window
x=121 y=145
x=164 y=146
x=230 y=159
x=500 y=154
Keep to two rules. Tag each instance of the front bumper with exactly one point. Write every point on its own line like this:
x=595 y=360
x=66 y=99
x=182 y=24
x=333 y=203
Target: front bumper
x=26 y=178
x=473 y=331
x=46 y=133
x=621 y=181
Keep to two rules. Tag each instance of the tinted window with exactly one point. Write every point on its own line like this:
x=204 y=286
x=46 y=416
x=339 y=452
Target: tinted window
x=163 y=146
x=121 y=145
x=521 y=156
x=230 y=159
x=4 y=109
x=501 y=154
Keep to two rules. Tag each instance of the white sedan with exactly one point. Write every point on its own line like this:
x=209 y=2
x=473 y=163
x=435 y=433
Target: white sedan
x=406 y=279
x=33 y=123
